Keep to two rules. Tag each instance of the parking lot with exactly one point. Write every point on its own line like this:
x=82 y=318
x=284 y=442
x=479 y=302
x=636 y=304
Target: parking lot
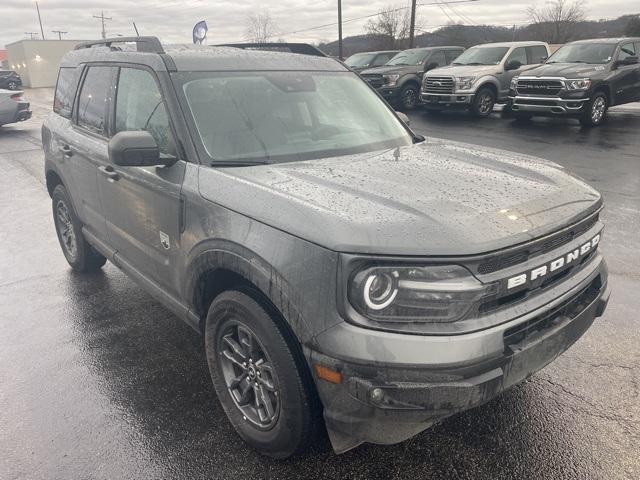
x=98 y=380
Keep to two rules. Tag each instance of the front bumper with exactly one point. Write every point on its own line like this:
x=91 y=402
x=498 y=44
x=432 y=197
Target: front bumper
x=388 y=402
x=547 y=105
x=440 y=101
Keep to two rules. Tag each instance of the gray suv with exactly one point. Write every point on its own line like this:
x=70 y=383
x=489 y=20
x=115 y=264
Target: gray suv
x=480 y=77
x=345 y=272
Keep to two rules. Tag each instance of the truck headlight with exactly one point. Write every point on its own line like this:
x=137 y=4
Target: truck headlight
x=432 y=294
x=464 y=83
x=578 y=84
x=514 y=83
x=390 y=80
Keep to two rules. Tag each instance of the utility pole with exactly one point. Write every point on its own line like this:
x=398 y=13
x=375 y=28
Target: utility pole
x=412 y=25
x=40 y=20
x=32 y=35
x=136 y=29
x=102 y=18
x=340 y=29
x=60 y=33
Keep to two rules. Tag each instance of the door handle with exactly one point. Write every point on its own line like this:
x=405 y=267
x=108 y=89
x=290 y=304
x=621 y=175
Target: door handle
x=109 y=172
x=66 y=151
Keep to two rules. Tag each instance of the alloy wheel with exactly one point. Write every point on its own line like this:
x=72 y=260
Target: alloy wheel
x=66 y=230
x=249 y=375
x=598 y=109
x=12 y=85
x=410 y=98
x=485 y=105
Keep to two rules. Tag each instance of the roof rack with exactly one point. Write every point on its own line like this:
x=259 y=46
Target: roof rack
x=143 y=44
x=301 y=48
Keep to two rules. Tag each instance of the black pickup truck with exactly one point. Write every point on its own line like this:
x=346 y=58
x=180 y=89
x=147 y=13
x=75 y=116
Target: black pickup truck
x=582 y=80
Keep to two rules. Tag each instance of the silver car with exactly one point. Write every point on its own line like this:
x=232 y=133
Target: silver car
x=13 y=107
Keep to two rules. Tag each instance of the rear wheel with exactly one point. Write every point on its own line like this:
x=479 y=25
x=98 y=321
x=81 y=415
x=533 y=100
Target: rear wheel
x=79 y=254
x=483 y=102
x=12 y=85
x=409 y=97
x=259 y=376
x=595 y=110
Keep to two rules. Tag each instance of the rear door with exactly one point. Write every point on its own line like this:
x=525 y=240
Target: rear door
x=519 y=54
x=142 y=205
x=85 y=145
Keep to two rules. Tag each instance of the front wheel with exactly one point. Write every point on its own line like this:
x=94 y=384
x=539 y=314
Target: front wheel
x=409 y=97
x=595 y=110
x=483 y=103
x=12 y=85
x=259 y=376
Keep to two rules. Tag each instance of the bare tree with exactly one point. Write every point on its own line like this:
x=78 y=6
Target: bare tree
x=556 y=20
x=260 y=27
x=633 y=27
x=392 y=25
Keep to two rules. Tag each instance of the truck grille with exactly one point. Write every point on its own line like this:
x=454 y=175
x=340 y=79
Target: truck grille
x=539 y=87
x=439 y=85
x=373 y=79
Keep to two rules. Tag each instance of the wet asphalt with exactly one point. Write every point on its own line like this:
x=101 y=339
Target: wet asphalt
x=99 y=381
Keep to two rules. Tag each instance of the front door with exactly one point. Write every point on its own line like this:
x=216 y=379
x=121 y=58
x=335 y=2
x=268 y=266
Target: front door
x=517 y=54
x=142 y=205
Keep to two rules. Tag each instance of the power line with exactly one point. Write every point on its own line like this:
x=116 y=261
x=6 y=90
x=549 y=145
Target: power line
x=32 y=35
x=60 y=33
x=102 y=18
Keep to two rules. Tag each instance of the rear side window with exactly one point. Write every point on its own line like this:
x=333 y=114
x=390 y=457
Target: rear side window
x=627 y=50
x=536 y=54
x=94 y=99
x=452 y=55
x=65 y=91
x=518 y=54
x=438 y=58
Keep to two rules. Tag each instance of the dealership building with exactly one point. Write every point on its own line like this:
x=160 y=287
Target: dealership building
x=37 y=61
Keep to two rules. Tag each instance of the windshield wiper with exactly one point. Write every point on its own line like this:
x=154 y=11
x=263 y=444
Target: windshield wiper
x=458 y=63
x=476 y=63
x=236 y=163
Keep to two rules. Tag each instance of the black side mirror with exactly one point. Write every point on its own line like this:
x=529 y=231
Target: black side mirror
x=135 y=149
x=543 y=59
x=513 y=65
x=633 y=60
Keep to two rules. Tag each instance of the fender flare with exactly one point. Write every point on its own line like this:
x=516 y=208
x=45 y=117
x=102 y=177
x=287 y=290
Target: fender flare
x=227 y=256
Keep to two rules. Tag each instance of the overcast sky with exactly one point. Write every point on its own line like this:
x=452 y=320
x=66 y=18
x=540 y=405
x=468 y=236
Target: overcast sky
x=173 y=20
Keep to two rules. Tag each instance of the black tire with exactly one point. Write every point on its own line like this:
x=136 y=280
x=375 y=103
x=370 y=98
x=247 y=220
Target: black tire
x=290 y=425
x=483 y=103
x=79 y=254
x=12 y=85
x=408 y=99
x=595 y=111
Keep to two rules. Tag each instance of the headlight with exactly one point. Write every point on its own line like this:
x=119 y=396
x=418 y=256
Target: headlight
x=464 y=83
x=514 y=83
x=390 y=80
x=579 y=84
x=432 y=294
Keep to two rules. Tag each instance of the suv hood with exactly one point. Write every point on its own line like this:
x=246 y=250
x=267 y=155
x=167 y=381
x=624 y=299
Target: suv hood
x=401 y=69
x=567 y=70
x=433 y=198
x=465 y=70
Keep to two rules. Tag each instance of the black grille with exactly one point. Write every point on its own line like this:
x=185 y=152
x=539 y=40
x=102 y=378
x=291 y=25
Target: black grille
x=501 y=261
x=439 y=85
x=569 y=309
x=539 y=87
x=373 y=79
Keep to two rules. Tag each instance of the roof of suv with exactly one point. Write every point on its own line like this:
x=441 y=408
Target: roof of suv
x=202 y=58
x=609 y=40
x=511 y=44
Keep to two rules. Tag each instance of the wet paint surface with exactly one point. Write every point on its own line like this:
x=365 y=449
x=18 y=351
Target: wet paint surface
x=97 y=380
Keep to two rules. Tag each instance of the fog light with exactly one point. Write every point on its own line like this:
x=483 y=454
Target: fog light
x=462 y=98
x=377 y=395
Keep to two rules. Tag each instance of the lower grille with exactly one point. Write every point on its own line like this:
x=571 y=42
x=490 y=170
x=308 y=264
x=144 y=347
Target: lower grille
x=539 y=87
x=569 y=309
x=439 y=85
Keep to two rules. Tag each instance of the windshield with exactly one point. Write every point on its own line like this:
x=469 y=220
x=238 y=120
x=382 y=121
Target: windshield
x=482 y=56
x=409 y=57
x=267 y=117
x=360 y=60
x=593 y=53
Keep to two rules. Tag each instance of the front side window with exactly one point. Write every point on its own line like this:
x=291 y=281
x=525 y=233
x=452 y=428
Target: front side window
x=65 y=91
x=266 y=117
x=139 y=106
x=627 y=50
x=94 y=98
x=382 y=59
x=536 y=54
x=438 y=59
x=359 y=60
x=409 y=57
x=592 y=53
x=482 y=56
x=518 y=55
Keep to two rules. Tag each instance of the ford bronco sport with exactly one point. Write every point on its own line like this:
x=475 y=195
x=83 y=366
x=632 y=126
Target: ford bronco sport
x=480 y=77
x=582 y=80
x=344 y=271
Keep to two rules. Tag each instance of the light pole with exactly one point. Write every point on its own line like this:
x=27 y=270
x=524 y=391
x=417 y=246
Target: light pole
x=40 y=20
x=412 y=25
x=340 y=29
